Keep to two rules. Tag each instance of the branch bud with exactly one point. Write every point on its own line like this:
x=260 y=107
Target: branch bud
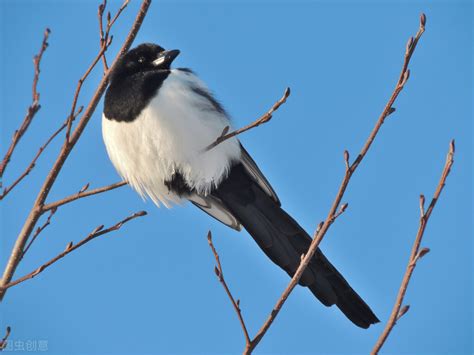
x=343 y=207
x=68 y=246
x=403 y=311
x=423 y=252
x=225 y=131
x=98 y=229
x=84 y=188
x=406 y=75
x=217 y=272
x=422 y=205
x=422 y=20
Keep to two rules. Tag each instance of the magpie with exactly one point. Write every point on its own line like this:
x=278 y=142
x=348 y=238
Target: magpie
x=156 y=124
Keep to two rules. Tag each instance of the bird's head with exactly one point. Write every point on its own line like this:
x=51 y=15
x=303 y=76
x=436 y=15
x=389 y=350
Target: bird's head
x=145 y=57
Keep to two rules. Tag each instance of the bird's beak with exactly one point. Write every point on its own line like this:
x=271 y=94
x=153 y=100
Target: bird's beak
x=166 y=58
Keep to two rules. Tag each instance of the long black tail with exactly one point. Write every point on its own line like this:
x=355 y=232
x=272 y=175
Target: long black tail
x=283 y=240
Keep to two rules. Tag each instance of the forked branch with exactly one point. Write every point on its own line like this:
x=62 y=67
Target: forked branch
x=71 y=247
x=84 y=192
x=32 y=110
x=72 y=136
x=350 y=169
x=32 y=164
x=336 y=208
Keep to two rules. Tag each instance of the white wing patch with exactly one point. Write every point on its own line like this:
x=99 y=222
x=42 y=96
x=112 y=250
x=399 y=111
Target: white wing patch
x=213 y=206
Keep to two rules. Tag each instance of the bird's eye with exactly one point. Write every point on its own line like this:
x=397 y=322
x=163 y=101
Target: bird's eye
x=141 y=60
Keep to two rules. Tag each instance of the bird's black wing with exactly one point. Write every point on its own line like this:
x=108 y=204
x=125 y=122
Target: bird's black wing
x=255 y=173
x=214 y=207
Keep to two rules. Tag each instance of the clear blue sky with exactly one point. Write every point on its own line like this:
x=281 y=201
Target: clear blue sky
x=150 y=288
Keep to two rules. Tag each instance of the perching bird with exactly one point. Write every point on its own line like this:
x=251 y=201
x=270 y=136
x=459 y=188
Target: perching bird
x=156 y=125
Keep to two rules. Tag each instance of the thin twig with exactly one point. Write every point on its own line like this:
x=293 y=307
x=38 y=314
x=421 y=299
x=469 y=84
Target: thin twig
x=4 y=341
x=68 y=145
x=39 y=230
x=32 y=164
x=100 y=16
x=111 y=23
x=72 y=114
x=104 y=35
x=322 y=229
x=263 y=119
x=416 y=254
x=81 y=194
x=32 y=110
x=71 y=247
x=220 y=276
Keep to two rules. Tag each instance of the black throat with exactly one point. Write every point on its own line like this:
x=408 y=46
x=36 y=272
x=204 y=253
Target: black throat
x=127 y=96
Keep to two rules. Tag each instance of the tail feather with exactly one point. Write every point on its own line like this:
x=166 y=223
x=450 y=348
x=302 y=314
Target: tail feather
x=284 y=241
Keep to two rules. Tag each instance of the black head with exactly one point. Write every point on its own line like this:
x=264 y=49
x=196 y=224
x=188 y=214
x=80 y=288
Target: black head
x=143 y=58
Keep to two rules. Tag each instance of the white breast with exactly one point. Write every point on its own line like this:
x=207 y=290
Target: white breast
x=170 y=135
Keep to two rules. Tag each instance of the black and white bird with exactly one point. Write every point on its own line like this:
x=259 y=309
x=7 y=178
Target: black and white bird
x=156 y=125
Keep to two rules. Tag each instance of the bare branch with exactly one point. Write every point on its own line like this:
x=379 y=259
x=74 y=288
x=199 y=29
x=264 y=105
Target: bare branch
x=72 y=115
x=32 y=110
x=100 y=16
x=110 y=23
x=68 y=145
x=82 y=193
x=3 y=342
x=415 y=254
x=263 y=119
x=71 y=247
x=39 y=230
x=36 y=157
x=104 y=35
x=220 y=276
x=321 y=231
x=404 y=74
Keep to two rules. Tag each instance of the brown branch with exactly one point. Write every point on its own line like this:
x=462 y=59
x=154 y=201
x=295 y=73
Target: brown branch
x=100 y=16
x=416 y=254
x=83 y=193
x=350 y=169
x=81 y=81
x=71 y=247
x=36 y=157
x=104 y=35
x=32 y=110
x=263 y=119
x=402 y=80
x=110 y=23
x=220 y=276
x=68 y=145
x=3 y=342
x=39 y=230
